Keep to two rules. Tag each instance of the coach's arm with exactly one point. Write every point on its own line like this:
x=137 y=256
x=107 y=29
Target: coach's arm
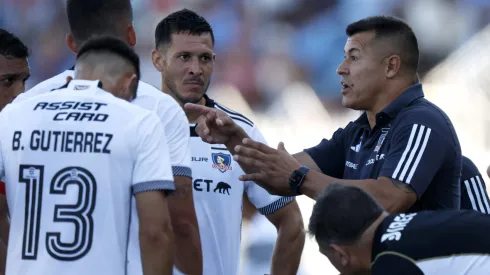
x=290 y=239
x=407 y=171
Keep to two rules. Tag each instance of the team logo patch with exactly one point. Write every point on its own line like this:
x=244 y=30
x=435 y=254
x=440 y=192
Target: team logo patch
x=384 y=132
x=221 y=161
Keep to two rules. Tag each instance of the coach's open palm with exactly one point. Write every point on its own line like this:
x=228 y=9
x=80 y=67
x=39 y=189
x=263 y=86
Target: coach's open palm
x=213 y=126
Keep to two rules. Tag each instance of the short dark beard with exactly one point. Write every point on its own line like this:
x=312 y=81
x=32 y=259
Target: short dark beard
x=173 y=90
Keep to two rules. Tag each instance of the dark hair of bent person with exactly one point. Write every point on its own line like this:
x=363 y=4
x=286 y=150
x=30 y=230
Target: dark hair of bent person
x=11 y=46
x=399 y=34
x=89 y=18
x=108 y=44
x=341 y=215
x=179 y=22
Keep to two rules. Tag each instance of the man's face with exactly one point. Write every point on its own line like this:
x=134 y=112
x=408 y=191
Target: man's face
x=14 y=72
x=188 y=65
x=362 y=72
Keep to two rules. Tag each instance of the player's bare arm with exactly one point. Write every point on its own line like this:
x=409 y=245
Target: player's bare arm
x=155 y=233
x=188 y=251
x=290 y=239
x=274 y=167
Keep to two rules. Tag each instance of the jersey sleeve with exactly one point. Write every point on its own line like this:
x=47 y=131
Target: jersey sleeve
x=265 y=203
x=152 y=170
x=394 y=263
x=329 y=155
x=474 y=193
x=418 y=150
x=177 y=132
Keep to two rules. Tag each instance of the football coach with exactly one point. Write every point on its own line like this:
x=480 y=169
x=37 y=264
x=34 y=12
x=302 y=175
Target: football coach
x=403 y=150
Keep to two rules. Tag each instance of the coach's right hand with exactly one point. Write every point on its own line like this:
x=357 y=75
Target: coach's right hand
x=215 y=126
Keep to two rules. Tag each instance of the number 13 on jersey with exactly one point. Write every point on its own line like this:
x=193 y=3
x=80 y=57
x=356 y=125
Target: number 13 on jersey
x=80 y=213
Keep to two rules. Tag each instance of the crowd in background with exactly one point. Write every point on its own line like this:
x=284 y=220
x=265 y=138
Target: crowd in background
x=262 y=46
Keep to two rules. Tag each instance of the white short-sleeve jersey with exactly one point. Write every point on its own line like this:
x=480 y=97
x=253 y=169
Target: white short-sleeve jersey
x=176 y=128
x=168 y=110
x=72 y=160
x=218 y=198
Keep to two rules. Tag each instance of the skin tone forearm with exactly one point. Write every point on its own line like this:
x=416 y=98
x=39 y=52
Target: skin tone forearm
x=290 y=240
x=188 y=252
x=155 y=260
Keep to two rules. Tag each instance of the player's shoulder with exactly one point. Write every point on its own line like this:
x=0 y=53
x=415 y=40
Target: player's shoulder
x=469 y=169
x=424 y=112
x=46 y=86
x=240 y=119
x=150 y=97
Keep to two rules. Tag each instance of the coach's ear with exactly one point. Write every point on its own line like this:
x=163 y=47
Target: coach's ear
x=157 y=58
x=131 y=35
x=70 y=42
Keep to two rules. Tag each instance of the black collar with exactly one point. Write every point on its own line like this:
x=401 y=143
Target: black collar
x=408 y=96
x=411 y=94
x=208 y=101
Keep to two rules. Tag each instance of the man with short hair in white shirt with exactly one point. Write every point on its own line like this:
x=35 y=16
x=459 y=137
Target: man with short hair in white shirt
x=184 y=55
x=85 y=17
x=74 y=160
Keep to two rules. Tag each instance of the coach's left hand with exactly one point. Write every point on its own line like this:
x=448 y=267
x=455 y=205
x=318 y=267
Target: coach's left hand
x=275 y=166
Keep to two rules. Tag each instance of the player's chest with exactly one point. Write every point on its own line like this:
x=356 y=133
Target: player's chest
x=214 y=172
x=366 y=153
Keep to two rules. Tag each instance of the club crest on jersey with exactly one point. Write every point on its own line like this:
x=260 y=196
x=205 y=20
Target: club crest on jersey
x=221 y=161
x=381 y=139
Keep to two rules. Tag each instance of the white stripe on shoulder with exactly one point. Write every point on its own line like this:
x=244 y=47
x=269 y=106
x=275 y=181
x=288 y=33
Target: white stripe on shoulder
x=412 y=151
x=234 y=114
x=419 y=155
x=470 y=195
x=478 y=195
x=483 y=193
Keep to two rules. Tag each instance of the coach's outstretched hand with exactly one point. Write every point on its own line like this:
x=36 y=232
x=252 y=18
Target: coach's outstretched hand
x=214 y=126
x=272 y=167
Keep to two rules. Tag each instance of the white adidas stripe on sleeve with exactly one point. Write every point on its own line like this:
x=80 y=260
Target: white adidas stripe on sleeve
x=419 y=137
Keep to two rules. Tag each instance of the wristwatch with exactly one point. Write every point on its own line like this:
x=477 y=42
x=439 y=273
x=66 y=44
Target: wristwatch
x=297 y=178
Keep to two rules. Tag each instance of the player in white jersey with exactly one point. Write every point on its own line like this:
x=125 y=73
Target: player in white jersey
x=73 y=159
x=84 y=17
x=14 y=72
x=184 y=55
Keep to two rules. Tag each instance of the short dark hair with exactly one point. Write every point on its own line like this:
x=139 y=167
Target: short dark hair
x=396 y=30
x=11 y=46
x=181 y=21
x=108 y=44
x=341 y=215
x=89 y=18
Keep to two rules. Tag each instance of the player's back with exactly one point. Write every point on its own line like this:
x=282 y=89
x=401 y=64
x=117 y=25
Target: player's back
x=434 y=242
x=68 y=158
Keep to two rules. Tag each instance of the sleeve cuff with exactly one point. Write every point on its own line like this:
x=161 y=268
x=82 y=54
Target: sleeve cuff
x=273 y=207
x=182 y=171
x=153 y=186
